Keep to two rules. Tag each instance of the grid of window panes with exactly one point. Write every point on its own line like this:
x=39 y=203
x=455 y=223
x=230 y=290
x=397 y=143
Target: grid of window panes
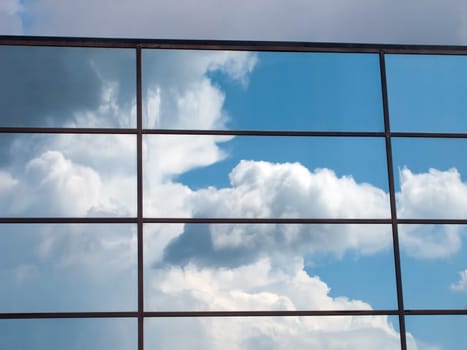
x=232 y=195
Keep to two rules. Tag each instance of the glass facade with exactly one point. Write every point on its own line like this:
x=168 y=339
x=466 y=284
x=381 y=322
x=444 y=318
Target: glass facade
x=168 y=195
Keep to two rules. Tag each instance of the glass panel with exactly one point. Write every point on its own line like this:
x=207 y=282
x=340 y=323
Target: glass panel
x=72 y=334
x=430 y=178
x=268 y=267
x=213 y=176
x=427 y=93
x=436 y=332
x=68 y=175
x=67 y=87
x=434 y=267
x=60 y=267
x=261 y=333
x=185 y=89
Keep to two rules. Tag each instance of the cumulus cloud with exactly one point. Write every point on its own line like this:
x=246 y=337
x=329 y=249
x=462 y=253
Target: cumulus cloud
x=54 y=185
x=461 y=284
x=435 y=194
x=179 y=92
x=6 y=181
x=265 y=189
x=274 y=333
x=261 y=286
x=68 y=267
x=431 y=241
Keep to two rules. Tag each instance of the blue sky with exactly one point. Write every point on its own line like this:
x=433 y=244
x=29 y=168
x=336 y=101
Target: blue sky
x=233 y=267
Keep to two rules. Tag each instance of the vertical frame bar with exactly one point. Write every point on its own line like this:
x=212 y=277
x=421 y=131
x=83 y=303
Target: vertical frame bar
x=139 y=150
x=392 y=199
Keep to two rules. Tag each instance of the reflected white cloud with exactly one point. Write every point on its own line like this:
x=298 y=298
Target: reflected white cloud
x=434 y=194
x=461 y=284
x=274 y=333
x=264 y=189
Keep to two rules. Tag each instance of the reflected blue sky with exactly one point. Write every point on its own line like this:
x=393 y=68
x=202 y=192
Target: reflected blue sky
x=427 y=93
x=307 y=91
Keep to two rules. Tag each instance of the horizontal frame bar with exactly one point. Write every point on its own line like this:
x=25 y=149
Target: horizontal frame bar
x=292 y=133
x=149 y=220
x=182 y=44
x=180 y=314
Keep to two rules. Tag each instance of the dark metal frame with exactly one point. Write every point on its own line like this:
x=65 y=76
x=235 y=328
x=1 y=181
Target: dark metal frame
x=138 y=45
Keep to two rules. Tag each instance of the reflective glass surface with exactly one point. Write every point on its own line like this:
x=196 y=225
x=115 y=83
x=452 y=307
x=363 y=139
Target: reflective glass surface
x=430 y=177
x=434 y=267
x=268 y=267
x=67 y=175
x=437 y=332
x=427 y=92
x=67 y=87
x=288 y=177
x=355 y=332
x=80 y=268
x=186 y=89
x=73 y=334
x=212 y=202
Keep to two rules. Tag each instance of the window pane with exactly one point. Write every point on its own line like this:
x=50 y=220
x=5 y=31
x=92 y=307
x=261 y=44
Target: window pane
x=67 y=87
x=214 y=176
x=427 y=93
x=437 y=332
x=268 y=267
x=434 y=267
x=68 y=175
x=261 y=333
x=430 y=178
x=186 y=89
x=72 y=334
x=60 y=267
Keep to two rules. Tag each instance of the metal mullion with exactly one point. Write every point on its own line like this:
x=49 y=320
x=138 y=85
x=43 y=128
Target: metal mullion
x=139 y=150
x=226 y=313
x=149 y=220
x=66 y=220
x=392 y=199
x=440 y=312
x=263 y=221
x=437 y=135
x=40 y=130
x=285 y=133
x=432 y=221
x=40 y=315
x=272 y=313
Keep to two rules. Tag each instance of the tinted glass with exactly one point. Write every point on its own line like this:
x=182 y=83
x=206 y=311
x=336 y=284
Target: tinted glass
x=73 y=334
x=437 y=332
x=430 y=178
x=68 y=175
x=268 y=267
x=217 y=176
x=427 y=93
x=186 y=89
x=67 y=87
x=65 y=268
x=434 y=267
x=272 y=333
